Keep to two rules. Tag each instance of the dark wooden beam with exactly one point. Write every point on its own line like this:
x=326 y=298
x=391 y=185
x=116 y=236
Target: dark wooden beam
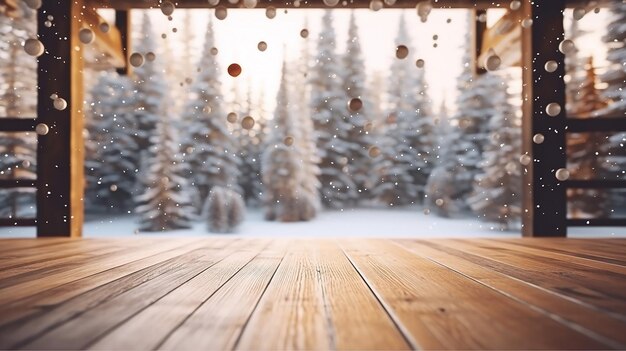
x=17 y=183
x=60 y=153
x=123 y=24
x=18 y=222
x=470 y=4
x=544 y=196
x=596 y=124
x=10 y=124
x=479 y=28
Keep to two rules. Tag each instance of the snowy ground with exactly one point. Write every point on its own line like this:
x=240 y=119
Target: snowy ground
x=400 y=223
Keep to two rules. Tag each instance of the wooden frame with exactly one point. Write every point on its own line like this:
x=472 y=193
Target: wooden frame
x=544 y=209
x=60 y=153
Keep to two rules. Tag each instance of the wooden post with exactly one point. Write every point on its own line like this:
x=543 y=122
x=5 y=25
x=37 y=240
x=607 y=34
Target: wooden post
x=60 y=153
x=122 y=22
x=544 y=197
x=478 y=31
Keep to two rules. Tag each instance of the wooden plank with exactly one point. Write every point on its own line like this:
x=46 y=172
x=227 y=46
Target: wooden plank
x=51 y=281
x=14 y=246
x=559 y=259
x=18 y=222
x=444 y=310
x=60 y=153
x=593 y=323
x=15 y=124
x=79 y=321
x=504 y=38
x=32 y=268
x=543 y=197
x=17 y=183
x=37 y=254
x=596 y=124
x=38 y=304
x=585 y=248
x=294 y=306
x=317 y=300
x=601 y=289
x=175 y=310
x=479 y=29
x=123 y=24
x=108 y=44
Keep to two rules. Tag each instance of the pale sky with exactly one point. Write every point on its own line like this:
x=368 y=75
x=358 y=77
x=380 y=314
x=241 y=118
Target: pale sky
x=238 y=35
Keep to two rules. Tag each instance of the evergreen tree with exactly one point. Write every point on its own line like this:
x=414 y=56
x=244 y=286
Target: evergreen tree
x=165 y=204
x=497 y=192
x=460 y=160
x=411 y=150
x=224 y=210
x=581 y=151
x=113 y=155
x=615 y=93
x=575 y=69
x=150 y=88
x=251 y=143
x=210 y=151
x=328 y=104
x=306 y=142
x=18 y=98
x=285 y=198
x=354 y=81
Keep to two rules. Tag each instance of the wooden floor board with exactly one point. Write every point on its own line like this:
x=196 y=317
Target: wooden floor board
x=229 y=293
x=175 y=307
x=219 y=321
x=443 y=309
x=603 y=289
x=40 y=303
x=597 y=325
x=86 y=327
x=584 y=248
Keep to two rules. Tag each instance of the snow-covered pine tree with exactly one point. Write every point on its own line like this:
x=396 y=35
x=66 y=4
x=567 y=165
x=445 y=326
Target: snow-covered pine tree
x=328 y=105
x=113 y=154
x=615 y=78
x=224 y=210
x=574 y=68
x=497 y=191
x=165 y=203
x=468 y=134
x=18 y=98
x=151 y=90
x=306 y=143
x=284 y=200
x=354 y=81
x=251 y=143
x=411 y=130
x=583 y=161
x=210 y=151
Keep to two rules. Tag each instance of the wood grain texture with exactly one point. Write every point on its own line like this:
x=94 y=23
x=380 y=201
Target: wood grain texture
x=175 y=307
x=442 y=309
x=597 y=325
x=218 y=323
x=229 y=293
x=602 y=289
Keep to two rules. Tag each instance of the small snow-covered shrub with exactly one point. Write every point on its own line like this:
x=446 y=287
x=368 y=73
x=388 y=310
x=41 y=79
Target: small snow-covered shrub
x=224 y=210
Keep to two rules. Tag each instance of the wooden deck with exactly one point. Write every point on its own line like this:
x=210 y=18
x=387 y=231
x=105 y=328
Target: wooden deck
x=224 y=293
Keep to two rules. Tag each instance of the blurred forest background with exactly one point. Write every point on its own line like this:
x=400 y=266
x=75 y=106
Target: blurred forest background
x=171 y=145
